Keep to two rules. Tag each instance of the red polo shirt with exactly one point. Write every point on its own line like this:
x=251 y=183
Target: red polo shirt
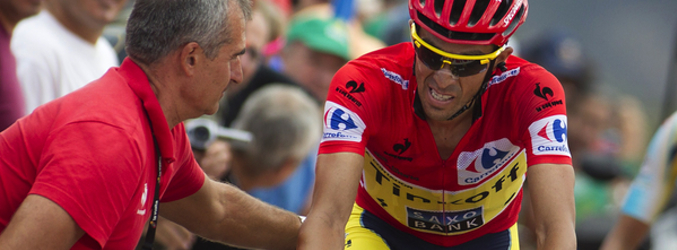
x=92 y=153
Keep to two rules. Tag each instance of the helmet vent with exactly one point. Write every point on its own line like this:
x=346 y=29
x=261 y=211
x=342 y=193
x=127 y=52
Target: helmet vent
x=514 y=21
x=456 y=35
x=456 y=10
x=500 y=12
x=439 y=5
x=477 y=11
x=422 y=2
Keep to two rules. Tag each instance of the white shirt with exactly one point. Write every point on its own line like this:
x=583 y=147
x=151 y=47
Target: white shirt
x=52 y=61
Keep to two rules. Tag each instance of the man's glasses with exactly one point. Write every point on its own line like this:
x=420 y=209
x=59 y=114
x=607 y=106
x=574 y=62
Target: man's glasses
x=460 y=65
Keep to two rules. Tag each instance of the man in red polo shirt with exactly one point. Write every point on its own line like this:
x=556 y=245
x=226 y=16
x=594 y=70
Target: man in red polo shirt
x=87 y=170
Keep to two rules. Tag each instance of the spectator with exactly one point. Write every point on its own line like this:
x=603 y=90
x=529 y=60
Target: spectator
x=316 y=48
x=11 y=100
x=262 y=30
x=62 y=48
x=77 y=172
x=285 y=123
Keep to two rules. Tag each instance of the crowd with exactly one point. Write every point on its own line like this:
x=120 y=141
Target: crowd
x=276 y=72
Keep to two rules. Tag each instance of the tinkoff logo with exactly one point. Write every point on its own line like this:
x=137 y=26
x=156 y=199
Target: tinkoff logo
x=549 y=136
x=473 y=167
x=341 y=124
x=396 y=78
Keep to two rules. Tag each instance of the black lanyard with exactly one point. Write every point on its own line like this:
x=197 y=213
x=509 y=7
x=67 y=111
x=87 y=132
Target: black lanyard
x=152 y=224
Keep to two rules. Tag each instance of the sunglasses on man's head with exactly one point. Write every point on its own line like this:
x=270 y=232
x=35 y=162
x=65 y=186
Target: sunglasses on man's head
x=460 y=65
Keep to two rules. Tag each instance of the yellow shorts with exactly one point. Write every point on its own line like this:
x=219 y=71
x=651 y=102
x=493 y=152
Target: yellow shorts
x=365 y=231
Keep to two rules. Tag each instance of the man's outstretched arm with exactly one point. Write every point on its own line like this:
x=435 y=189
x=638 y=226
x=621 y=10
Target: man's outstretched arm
x=39 y=223
x=224 y=213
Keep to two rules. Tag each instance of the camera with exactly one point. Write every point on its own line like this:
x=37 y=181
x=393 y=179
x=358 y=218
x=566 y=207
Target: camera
x=202 y=132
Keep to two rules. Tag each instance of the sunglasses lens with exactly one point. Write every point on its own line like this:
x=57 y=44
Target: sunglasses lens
x=465 y=68
x=429 y=58
x=461 y=68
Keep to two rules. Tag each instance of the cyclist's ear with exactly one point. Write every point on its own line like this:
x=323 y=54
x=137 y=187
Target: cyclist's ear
x=504 y=55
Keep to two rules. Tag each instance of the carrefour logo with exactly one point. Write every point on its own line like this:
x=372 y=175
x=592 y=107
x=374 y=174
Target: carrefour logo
x=341 y=124
x=549 y=136
x=477 y=165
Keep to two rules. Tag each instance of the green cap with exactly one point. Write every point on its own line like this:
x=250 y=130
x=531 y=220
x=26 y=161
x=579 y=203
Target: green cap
x=325 y=35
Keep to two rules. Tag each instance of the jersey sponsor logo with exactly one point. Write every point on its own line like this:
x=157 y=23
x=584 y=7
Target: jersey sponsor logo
x=449 y=221
x=351 y=88
x=400 y=148
x=421 y=208
x=144 y=198
x=474 y=167
x=502 y=77
x=396 y=78
x=546 y=93
x=543 y=93
x=549 y=136
x=341 y=124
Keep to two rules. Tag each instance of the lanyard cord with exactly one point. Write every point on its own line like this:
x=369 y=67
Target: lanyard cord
x=152 y=224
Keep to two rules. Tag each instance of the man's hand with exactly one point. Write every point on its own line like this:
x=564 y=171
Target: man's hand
x=216 y=160
x=173 y=236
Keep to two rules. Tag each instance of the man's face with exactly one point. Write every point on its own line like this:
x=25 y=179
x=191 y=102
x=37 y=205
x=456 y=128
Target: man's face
x=213 y=77
x=97 y=13
x=311 y=69
x=16 y=10
x=443 y=94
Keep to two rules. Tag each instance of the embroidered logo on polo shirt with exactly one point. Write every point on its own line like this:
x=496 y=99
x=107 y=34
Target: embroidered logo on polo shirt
x=144 y=198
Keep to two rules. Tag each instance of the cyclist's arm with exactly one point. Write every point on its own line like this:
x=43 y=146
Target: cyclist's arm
x=626 y=235
x=337 y=179
x=551 y=189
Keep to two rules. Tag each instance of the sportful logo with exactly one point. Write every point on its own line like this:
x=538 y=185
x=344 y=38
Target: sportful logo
x=500 y=78
x=341 y=124
x=354 y=87
x=473 y=167
x=543 y=93
x=396 y=78
x=549 y=136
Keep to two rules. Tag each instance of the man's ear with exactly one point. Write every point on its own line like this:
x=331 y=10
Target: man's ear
x=191 y=54
x=504 y=55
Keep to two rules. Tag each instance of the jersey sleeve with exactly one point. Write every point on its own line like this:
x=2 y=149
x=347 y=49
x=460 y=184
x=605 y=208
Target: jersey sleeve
x=348 y=114
x=189 y=177
x=91 y=170
x=652 y=187
x=543 y=122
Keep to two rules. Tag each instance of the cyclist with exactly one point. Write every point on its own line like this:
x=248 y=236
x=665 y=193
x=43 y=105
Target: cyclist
x=427 y=142
x=649 y=192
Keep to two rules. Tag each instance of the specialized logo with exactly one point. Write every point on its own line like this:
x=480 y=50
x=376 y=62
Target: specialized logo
x=543 y=93
x=144 y=198
x=399 y=148
x=396 y=78
x=549 y=136
x=502 y=77
x=341 y=124
x=443 y=212
x=511 y=15
x=351 y=88
x=473 y=167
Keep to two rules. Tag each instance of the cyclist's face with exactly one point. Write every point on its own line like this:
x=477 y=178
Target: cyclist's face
x=443 y=93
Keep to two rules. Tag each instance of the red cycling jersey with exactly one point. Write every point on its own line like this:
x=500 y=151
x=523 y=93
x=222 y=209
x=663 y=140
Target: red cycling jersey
x=405 y=182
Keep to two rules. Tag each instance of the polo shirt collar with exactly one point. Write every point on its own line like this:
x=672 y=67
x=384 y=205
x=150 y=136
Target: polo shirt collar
x=138 y=82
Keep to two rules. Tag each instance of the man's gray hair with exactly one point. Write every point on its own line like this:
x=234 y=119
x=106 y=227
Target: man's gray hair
x=157 y=27
x=286 y=124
